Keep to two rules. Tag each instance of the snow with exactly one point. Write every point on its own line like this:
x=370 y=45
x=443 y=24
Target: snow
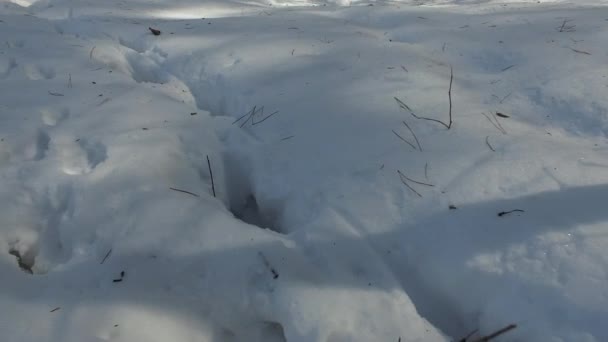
x=106 y=132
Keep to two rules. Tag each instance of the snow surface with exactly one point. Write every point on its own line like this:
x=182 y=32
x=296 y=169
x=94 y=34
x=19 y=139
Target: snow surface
x=105 y=131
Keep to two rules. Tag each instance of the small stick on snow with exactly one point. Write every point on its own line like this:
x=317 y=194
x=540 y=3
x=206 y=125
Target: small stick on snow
x=488 y=143
x=497 y=333
x=414 y=134
x=426 y=171
x=55 y=94
x=106 y=257
x=507 y=68
x=184 y=191
x=55 y=309
x=211 y=174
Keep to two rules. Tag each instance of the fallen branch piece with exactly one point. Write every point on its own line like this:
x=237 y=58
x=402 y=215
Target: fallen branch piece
x=55 y=309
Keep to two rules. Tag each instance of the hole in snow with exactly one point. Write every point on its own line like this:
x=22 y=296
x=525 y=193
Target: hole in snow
x=249 y=212
x=272 y=332
x=25 y=260
x=243 y=201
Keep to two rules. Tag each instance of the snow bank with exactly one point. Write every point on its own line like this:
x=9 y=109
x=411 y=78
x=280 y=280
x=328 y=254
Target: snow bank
x=235 y=178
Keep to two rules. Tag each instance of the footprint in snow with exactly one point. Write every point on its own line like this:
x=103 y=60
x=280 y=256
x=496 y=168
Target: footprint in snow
x=39 y=72
x=6 y=66
x=39 y=148
x=81 y=156
x=52 y=117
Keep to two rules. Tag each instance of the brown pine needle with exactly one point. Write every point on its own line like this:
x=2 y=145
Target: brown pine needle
x=414 y=134
x=488 y=143
x=413 y=181
x=211 y=174
x=408 y=186
x=403 y=105
x=185 y=192
x=497 y=333
x=403 y=139
x=449 y=124
x=581 y=52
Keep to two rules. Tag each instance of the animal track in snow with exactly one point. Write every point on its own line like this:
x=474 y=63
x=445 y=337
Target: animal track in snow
x=19 y=43
x=51 y=117
x=6 y=66
x=243 y=202
x=139 y=45
x=143 y=61
x=25 y=259
x=41 y=147
x=80 y=156
x=39 y=72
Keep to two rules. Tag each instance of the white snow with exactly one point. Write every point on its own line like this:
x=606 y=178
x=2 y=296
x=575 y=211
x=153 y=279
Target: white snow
x=105 y=131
